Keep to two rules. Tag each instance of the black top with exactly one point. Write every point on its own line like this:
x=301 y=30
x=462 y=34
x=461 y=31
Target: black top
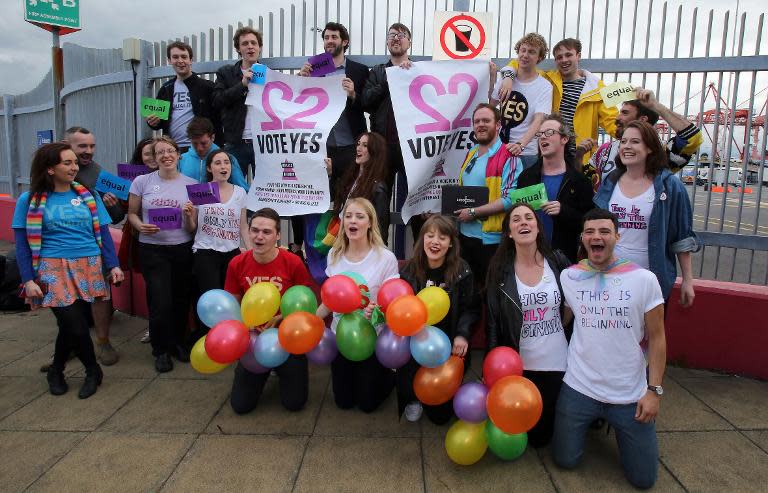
x=201 y=93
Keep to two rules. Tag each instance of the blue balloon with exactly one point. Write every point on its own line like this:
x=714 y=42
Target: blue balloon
x=430 y=347
x=267 y=349
x=217 y=305
x=248 y=360
x=393 y=351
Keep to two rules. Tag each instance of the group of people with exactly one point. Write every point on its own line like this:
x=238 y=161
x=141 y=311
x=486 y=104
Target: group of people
x=578 y=287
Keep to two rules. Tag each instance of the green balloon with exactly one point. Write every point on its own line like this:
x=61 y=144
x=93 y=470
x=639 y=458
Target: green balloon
x=504 y=445
x=355 y=337
x=298 y=299
x=377 y=317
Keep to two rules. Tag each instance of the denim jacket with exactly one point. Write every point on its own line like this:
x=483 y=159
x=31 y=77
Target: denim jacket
x=670 y=228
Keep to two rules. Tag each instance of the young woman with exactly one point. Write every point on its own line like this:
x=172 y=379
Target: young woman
x=436 y=262
x=220 y=226
x=62 y=238
x=654 y=212
x=166 y=254
x=359 y=248
x=526 y=311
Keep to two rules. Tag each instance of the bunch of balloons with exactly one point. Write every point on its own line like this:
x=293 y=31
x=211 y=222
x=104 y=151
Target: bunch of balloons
x=496 y=414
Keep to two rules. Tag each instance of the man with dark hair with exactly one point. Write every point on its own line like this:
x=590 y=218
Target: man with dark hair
x=193 y=162
x=617 y=305
x=190 y=96
x=680 y=148
x=229 y=95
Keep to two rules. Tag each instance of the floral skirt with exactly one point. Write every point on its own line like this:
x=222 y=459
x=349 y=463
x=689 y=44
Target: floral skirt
x=64 y=281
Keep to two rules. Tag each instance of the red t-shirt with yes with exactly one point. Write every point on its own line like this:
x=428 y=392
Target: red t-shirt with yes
x=284 y=271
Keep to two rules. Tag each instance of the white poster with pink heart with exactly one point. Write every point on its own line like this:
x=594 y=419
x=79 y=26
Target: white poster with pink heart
x=291 y=118
x=434 y=123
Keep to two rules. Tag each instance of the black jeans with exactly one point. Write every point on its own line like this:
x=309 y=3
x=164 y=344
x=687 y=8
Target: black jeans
x=73 y=335
x=440 y=414
x=478 y=256
x=210 y=273
x=168 y=274
x=341 y=158
x=548 y=383
x=247 y=387
x=363 y=383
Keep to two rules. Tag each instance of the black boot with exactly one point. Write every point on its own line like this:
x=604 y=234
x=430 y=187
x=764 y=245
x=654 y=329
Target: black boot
x=56 y=383
x=93 y=377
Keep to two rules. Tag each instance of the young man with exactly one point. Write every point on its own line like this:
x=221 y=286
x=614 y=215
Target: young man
x=616 y=305
x=526 y=97
x=569 y=191
x=189 y=94
x=229 y=94
x=201 y=135
x=267 y=262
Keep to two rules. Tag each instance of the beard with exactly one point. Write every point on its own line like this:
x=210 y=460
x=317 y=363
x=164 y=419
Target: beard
x=485 y=140
x=337 y=50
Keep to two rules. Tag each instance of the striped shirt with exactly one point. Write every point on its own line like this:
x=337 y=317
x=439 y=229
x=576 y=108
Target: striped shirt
x=571 y=94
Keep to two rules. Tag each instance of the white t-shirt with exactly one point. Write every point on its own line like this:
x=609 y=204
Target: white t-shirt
x=247 y=133
x=605 y=359
x=218 y=225
x=181 y=113
x=633 y=215
x=527 y=99
x=378 y=266
x=543 y=346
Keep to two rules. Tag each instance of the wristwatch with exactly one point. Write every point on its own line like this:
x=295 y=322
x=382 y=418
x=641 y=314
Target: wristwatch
x=472 y=213
x=520 y=144
x=657 y=388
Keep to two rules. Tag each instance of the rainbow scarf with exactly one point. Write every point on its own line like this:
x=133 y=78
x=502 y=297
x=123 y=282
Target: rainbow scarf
x=37 y=211
x=585 y=270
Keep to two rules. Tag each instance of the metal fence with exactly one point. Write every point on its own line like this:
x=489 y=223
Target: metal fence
x=694 y=60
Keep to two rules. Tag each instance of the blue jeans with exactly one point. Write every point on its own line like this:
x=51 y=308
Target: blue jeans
x=245 y=156
x=638 y=448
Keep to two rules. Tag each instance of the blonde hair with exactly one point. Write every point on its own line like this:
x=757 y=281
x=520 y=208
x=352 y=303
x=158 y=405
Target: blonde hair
x=534 y=39
x=341 y=244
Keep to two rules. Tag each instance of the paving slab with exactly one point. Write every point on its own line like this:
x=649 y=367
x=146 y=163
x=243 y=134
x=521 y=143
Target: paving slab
x=116 y=462
x=239 y=463
x=759 y=437
x=13 y=350
x=681 y=411
x=170 y=406
x=742 y=401
x=715 y=461
x=36 y=325
x=489 y=474
x=184 y=371
x=29 y=365
x=68 y=413
x=28 y=454
x=383 y=422
x=18 y=391
x=348 y=464
x=136 y=362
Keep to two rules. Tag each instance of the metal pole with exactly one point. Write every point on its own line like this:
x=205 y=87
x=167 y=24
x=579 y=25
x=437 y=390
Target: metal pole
x=57 y=75
x=461 y=5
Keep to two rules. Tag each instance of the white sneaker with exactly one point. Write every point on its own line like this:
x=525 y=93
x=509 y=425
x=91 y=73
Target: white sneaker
x=413 y=411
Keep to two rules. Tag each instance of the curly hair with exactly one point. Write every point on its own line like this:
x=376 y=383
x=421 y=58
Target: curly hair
x=657 y=157
x=45 y=158
x=534 y=39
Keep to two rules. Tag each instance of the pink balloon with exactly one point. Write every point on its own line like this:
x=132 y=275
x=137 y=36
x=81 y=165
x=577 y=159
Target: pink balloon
x=340 y=294
x=390 y=290
x=227 y=341
x=501 y=362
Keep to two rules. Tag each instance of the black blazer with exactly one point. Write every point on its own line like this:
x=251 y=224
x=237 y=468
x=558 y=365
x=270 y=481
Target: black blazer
x=353 y=112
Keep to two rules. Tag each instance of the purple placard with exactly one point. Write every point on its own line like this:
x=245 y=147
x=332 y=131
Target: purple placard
x=131 y=171
x=165 y=218
x=322 y=64
x=204 y=193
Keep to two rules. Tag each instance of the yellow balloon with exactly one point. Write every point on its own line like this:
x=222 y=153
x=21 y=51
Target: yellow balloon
x=466 y=442
x=200 y=361
x=259 y=304
x=437 y=302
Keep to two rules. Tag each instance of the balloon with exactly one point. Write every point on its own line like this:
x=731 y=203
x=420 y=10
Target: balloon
x=466 y=442
x=300 y=332
x=469 y=402
x=435 y=386
x=326 y=350
x=298 y=299
x=390 y=290
x=268 y=351
x=248 y=360
x=355 y=337
x=504 y=445
x=501 y=362
x=362 y=284
x=340 y=294
x=260 y=303
x=430 y=347
x=514 y=404
x=227 y=341
x=200 y=360
x=216 y=305
x=406 y=315
x=437 y=303
x=393 y=351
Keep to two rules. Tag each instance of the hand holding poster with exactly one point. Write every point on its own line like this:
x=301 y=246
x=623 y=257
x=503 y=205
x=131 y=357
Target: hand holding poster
x=617 y=93
x=434 y=122
x=291 y=118
x=106 y=182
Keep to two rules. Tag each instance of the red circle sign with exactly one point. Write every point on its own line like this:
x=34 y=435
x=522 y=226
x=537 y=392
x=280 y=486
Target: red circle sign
x=473 y=50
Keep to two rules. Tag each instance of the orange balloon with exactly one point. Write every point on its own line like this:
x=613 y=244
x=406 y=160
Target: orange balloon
x=300 y=332
x=406 y=315
x=438 y=385
x=514 y=404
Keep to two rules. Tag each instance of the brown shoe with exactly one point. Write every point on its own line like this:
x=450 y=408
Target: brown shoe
x=106 y=354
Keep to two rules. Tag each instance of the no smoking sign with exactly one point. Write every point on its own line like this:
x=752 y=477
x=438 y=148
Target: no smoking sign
x=462 y=36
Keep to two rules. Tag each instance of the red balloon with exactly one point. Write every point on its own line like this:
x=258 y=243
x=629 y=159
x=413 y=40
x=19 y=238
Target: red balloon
x=406 y=315
x=300 y=332
x=501 y=362
x=390 y=290
x=341 y=294
x=514 y=404
x=227 y=341
x=434 y=386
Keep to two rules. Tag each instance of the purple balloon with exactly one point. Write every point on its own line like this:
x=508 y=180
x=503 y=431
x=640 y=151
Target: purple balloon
x=248 y=360
x=469 y=402
x=325 y=351
x=392 y=350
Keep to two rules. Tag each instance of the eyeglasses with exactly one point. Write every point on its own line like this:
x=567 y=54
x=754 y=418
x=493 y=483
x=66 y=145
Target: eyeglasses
x=547 y=133
x=400 y=36
x=165 y=151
